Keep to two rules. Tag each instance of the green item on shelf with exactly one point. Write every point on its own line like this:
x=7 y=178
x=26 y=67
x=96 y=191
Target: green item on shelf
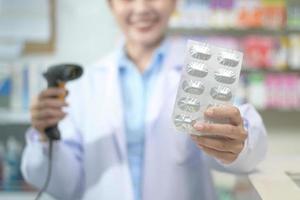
x=256 y=78
x=293 y=15
x=274 y=2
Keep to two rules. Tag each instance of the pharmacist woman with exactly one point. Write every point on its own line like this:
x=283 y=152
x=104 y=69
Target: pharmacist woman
x=118 y=140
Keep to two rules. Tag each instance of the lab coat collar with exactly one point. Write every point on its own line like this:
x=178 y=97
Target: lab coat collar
x=167 y=48
x=125 y=62
x=115 y=115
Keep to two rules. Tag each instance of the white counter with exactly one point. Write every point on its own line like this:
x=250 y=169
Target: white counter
x=273 y=181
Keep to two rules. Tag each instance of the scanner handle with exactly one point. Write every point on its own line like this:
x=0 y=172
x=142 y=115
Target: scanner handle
x=52 y=132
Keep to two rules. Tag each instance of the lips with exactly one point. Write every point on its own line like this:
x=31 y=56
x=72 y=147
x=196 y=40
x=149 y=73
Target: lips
x=144 y=24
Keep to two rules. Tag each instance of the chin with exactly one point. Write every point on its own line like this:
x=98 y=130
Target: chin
x=149 y=42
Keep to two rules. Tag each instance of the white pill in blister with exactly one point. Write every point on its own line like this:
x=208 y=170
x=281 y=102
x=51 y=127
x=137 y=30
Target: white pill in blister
x=193 y=87
x=189 y=104
x=225 y=76
x=184 y=122
x=200 y=52
x=221 y=93
x=228 y=59
x=197 y=69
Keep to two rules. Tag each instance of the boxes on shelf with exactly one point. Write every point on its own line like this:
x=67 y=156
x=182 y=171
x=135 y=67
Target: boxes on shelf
x=274 y=91
x=10 y=162
x=273 y=16
x=261 y=14
x=5 y=86
x=19 y=83
x=294 y=52
x=191 y=13
x=256 y=90
x=293 y=14
x=265 y=52
x=233 y=14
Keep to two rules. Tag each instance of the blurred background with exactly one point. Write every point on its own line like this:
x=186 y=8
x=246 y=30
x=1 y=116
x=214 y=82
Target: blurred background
x=37 y=33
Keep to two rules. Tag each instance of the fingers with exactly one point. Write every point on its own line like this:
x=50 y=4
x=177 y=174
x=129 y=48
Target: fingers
x=49 y=103
x=46 y=118
x=225 y=112
x=225 y=157
x=46 y=110
x=48 y=113
x=219 y=144
x=42 y=124
x=230 y=137
x=227 y=130
x=52 y=92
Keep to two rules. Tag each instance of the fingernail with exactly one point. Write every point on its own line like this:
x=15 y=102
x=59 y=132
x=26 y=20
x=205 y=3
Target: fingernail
x=194 y=137
x=198 y=126
x=209 y=112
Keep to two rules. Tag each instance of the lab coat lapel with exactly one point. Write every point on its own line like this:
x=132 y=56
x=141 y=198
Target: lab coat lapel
x=165 y=85
x=116 y=116
x=155 y=101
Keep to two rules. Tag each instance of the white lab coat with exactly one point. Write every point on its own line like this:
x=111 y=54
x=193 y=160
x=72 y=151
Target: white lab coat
x=91 y=161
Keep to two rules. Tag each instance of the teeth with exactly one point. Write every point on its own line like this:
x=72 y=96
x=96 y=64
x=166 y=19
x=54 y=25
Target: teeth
x=144 y=24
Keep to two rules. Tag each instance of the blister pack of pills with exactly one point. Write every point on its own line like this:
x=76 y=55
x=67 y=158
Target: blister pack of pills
x=209 y=78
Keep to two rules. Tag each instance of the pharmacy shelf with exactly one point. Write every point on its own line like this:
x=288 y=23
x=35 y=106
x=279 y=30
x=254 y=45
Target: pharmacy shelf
x=270 y=70
x=191 y=31
x=278 y=110
x=9 y=117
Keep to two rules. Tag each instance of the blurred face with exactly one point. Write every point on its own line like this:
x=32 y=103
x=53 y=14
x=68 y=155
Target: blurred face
x=143 y=21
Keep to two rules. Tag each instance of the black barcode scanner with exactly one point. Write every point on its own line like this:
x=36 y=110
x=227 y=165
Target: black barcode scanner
x=57 y=76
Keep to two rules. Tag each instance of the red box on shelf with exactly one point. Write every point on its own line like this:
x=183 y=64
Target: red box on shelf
x=258 y=51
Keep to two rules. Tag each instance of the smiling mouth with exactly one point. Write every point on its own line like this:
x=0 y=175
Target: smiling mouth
x=145 y=25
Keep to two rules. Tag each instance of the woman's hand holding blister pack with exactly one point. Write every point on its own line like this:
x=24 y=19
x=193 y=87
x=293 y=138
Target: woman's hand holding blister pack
x=203 y=106
x=228 y=138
